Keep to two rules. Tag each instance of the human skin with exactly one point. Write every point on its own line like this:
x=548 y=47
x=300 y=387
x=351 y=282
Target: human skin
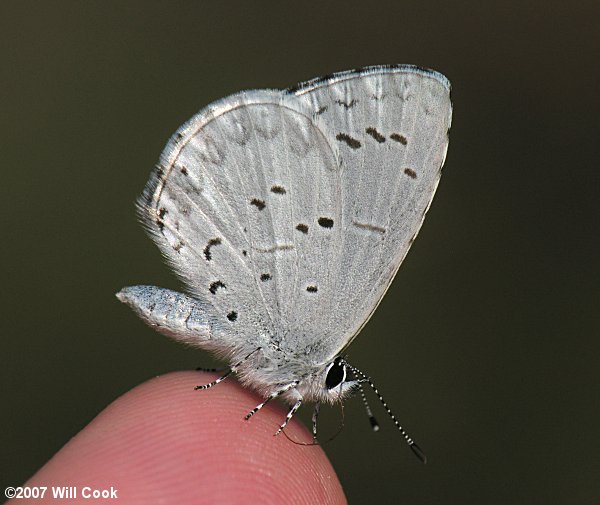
x=164 y=442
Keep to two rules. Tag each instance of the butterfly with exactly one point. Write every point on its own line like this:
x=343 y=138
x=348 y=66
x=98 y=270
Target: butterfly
x=287 y=214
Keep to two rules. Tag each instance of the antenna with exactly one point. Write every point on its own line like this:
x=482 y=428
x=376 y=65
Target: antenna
x=372 y=420
x=411 y=443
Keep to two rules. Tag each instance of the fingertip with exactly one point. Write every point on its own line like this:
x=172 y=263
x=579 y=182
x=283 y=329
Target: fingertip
x=165 y=440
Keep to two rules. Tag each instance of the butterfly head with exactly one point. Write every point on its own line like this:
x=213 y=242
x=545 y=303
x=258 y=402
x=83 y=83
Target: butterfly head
x=334 y=382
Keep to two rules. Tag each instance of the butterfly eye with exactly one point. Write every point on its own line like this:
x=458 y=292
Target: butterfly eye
x=336 y=374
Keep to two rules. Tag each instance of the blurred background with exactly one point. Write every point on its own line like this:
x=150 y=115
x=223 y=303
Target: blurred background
x=486 y=346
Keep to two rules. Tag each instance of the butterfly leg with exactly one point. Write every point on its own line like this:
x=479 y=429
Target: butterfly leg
x=289 y=416
x=275 y=394
x=212 y=370
x=315 y=416
x=216 y=381
x=233 y=369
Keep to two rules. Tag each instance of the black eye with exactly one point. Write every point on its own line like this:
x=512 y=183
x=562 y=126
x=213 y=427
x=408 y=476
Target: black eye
x=336 y=374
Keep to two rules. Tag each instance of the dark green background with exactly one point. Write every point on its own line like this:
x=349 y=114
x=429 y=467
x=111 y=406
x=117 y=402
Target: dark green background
x=486 y=345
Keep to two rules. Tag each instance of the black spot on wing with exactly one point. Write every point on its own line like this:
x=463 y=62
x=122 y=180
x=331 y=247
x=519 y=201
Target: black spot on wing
x=347 y=105
x=399 y=138
x=375 y=134
x=321 y=110
x=216 y=285
x=183 y=170
x=311 y=289
x=278 y=190
x=325 y=222
x=212 y=242
x=162 y=212
x=302 y=227
x=232 y=316
x=369 y=227
x=411 y=173
x=259 y=204
x=347 y=139
x=265 y=277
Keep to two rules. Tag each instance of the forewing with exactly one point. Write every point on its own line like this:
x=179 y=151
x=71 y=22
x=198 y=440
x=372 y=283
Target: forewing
x=390 y=127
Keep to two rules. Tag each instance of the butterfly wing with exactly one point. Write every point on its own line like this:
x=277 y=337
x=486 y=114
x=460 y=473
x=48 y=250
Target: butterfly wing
x=288 y=213
x=219 y=206
x=390 y=126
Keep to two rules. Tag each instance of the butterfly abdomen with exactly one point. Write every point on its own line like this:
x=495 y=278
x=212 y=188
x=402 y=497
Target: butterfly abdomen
x=174 y=314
